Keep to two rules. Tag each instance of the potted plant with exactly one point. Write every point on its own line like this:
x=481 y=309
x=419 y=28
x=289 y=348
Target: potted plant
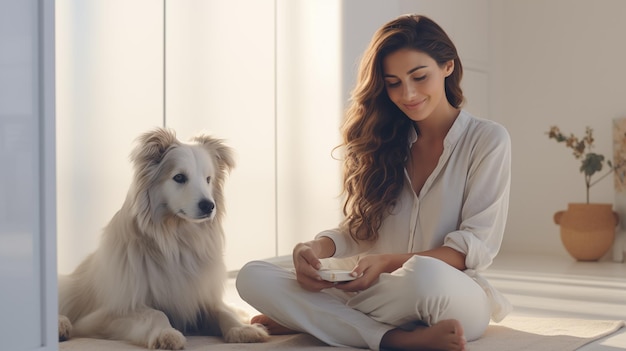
x=587 y=229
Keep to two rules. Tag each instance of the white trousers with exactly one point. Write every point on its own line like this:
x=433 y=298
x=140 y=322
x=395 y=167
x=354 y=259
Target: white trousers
x=424 y=290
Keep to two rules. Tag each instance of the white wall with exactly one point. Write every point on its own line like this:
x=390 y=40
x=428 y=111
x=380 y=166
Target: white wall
x=558 y=63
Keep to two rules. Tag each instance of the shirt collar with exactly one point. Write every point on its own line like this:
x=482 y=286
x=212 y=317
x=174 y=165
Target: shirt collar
x=455 y=132
x=458 y=128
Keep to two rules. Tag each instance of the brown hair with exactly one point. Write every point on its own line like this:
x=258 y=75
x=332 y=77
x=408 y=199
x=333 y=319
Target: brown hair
x=375 y=131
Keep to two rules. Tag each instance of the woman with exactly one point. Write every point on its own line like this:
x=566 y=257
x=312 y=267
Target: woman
x=427 y=188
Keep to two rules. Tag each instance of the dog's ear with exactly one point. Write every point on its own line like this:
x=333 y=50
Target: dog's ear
x=224 y=154
x=152 y=146
x=146 y=157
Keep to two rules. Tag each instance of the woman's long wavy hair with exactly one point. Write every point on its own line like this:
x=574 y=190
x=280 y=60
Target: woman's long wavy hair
x=375 y=131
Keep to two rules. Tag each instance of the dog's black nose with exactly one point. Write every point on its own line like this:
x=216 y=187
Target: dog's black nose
x=206 y=206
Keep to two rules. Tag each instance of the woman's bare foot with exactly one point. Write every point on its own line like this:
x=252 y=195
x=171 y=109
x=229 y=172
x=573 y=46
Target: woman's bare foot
x=445 y=335
x=272 y=327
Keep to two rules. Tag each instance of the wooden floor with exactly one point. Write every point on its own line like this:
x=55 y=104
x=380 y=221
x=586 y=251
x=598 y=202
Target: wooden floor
x=550 y=286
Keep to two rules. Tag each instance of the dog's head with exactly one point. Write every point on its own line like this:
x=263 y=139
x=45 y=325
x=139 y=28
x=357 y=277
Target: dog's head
x=178 y=179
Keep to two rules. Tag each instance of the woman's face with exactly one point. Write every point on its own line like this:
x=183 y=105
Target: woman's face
x=415 y=82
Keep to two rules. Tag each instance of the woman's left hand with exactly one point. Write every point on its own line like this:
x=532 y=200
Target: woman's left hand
x=367 y=269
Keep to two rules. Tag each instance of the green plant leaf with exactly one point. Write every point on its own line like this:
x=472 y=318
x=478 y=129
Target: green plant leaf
x=592 y=164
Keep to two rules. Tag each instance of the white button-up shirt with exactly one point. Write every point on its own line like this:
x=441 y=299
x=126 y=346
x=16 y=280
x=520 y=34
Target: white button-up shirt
x=462 y=205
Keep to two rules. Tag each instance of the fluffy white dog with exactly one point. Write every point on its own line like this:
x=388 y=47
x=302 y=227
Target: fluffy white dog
x=159 y=272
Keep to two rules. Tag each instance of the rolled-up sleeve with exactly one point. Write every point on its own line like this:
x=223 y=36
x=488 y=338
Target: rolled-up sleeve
x=486 y=199
x=344 y=245
x=463 y=204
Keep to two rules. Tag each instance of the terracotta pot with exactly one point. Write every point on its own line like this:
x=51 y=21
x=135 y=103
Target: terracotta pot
x=587 y=230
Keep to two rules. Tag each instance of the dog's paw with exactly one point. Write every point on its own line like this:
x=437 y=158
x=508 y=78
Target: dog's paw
x=247 y=333
x=65 y=328
x=167 y=339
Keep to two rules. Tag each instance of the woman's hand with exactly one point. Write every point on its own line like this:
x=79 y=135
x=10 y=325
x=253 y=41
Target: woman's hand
x=306 y=261
x=368 y=269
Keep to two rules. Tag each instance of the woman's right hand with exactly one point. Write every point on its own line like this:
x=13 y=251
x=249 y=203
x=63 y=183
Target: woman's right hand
x=306 y=263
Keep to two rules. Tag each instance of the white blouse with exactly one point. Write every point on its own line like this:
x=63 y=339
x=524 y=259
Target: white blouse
x=462 y=205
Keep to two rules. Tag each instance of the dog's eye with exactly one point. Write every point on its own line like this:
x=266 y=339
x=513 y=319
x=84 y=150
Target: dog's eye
x=180 y=178
x=208 y=180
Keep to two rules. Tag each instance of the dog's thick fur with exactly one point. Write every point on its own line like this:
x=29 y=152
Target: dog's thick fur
x=159 y=264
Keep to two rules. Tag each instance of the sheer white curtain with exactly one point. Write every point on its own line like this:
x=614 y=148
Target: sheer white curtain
x=109 y=90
